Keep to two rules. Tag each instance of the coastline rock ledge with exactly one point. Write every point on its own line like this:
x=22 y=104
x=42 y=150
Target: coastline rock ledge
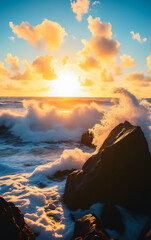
x=12 y=222
x=119 y=174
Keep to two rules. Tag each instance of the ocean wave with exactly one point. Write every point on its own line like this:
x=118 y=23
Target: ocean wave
x=40 y=124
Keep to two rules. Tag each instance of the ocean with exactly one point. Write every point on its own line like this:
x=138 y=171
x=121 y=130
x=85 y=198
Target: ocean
x=40 y=136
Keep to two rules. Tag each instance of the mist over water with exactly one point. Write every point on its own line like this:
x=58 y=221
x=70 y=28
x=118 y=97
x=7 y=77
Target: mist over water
x=40 y=136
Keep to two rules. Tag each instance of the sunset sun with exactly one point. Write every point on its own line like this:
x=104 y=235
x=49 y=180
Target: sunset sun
x=66 y=85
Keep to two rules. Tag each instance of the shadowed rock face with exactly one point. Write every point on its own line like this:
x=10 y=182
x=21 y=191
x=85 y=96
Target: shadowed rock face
x=88 y=227
x=120 y=173
x=87 y=139
x=12 y=224
x=112 y=219
x=146 y=232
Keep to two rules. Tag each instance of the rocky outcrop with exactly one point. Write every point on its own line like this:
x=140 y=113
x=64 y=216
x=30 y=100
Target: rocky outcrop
x=88 y=227
x=87 y=139
x=12 y=224
x=119 y=174
x=146 y=232
x=112 y=219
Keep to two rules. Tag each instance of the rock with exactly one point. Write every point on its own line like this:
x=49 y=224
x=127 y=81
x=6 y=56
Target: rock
x=112 y=219
x=88 y=227
x=12 y=224
x=87 y=139
x=146 y=232
x=118 y=174
x=62 y=174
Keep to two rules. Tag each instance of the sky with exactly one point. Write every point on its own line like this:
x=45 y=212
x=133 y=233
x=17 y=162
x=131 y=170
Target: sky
x=75 y=48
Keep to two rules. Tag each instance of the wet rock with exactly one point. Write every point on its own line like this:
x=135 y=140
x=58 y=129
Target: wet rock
x=12 y=224
x=87 y=139
x=146 y=232
x=112 y=219
x=118 y=174
x=60 y=175
x=88 y=227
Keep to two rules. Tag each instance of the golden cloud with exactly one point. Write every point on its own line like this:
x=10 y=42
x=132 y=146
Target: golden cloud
x=95 y=3
x=49 y=33
x=86 y=83
x=13 y=61
x=80 y=7
x=89 y=63
x=98 y=28
x=65 y=60
x=41 y=68
x=106 y=76
x=117 y=69
x=137 y=37
x=12 y=38
x=3 y=71
x=149 y=63
x=139 y=79
x=127 y=61
x=101 y=47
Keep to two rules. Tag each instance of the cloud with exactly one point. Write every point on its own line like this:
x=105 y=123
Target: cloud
x=42 y=65
x=149 y=63
x=89 y=63
x=13 y=61
x=86 y=83
x=101 y=48
x=12 y=38
x=95 y=3
x=48 y=33
x=127 y=61
x=41 y=68
x=98 y=28
x=106 y=76
x=137 y=37
x=139 y=79
x=80 y=7
x=117 y=69
x=65 y=60
x=30 y=90
x=104 y=48
x=3 y=71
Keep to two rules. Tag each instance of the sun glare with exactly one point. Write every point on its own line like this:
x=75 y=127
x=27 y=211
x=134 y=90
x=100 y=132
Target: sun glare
x=66 y=85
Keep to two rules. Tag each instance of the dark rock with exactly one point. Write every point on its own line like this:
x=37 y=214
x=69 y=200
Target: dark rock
x=60 y=175
x=87 y=139
x=88 y=227
x=119 y=174
x=12 y=224
x=146 y=232
x=112 y=219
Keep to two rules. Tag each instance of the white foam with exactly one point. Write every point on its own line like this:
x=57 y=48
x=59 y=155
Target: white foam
x=69 y=160
x=134 y=110
x=49 y=124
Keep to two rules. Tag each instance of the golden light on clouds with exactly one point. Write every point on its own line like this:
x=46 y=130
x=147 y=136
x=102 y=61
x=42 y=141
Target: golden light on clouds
x=49 y=33
x=80 y=7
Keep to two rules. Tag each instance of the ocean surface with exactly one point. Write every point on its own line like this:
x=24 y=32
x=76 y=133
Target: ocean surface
x=40 y=136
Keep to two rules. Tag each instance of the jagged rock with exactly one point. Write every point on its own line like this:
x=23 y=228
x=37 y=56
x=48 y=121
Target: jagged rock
x=112 y=219
x=12 y=224
x=119 y=174
x=87 y=139
x=146 y=232
x=88 y=227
